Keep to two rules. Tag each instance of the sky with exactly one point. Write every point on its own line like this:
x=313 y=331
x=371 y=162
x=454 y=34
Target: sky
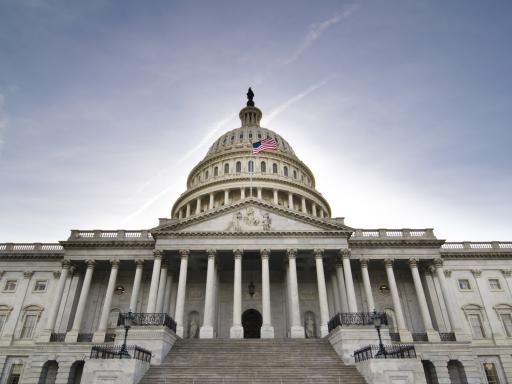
x=401 y=108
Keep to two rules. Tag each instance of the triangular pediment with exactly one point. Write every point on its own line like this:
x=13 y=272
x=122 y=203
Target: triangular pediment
x=251 y=215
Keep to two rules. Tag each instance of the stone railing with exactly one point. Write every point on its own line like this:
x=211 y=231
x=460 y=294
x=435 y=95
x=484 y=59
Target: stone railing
x=384 y=233
x=467 y=246
x=120 y=234
x=31 y=247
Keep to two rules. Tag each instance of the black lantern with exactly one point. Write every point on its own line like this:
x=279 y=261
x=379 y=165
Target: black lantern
x=377 y=322
x=252 y=288
x=127 y=322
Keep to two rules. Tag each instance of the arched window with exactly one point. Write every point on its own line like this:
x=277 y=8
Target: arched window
x=49 y=372
x=294 y=174
x=285 y=170
x=215 y=171
x=274 y=168
x=241 y=136
x=456 y=372
x=263 y=167
x=238 y=167
x=250 y=166
x=226 y=168
x=250 y=135
x=206 y=175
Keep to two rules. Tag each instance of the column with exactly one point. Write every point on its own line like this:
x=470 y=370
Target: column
x=304 y=205
x=57 y=296
x=187 y=214
x=276 y=198
x=206 y=331
x=237 y=331
x=341 y=285
x=322 y=292
x=139 y=264
x=99 y=335
x=242 y=193
x=297 y=329
x=432 y=334
x=180 y=213
x=349 y=281
x=198 y=205
x=405 y=335
x=226 y=197
x=182 y=288
x=210 y=204
x=313 y=208
x=267 y=330
x=451 y=308
x=367 y=285
x=153 y=288
x=290 y=200
x=159 y=308
x=260 y=192
x=72 y=335
x=168 y=293
x=321 y=213
x=336 y=294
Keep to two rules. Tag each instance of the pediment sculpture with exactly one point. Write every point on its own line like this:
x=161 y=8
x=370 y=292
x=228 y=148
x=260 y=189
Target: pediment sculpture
x=249 y=219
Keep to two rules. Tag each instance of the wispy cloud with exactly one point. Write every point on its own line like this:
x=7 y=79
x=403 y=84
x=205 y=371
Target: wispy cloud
x=200 y=146
x=316 y=30
x=281 y=108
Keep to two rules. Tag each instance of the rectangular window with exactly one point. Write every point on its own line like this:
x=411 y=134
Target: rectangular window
x=15 y=374
x=3 y=320
x=476 y=326
x=506 y=318
x=10 y=285
x=29 y=326
x=494 y=284
x=464 y=285
x=40 y=285
x=491 y=374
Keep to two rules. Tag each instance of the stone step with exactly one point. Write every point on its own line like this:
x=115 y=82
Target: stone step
x=255 y=361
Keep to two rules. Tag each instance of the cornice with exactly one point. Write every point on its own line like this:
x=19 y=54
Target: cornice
x=406 y=243
x=32 y=255
x=476 y=255
x=253 y=234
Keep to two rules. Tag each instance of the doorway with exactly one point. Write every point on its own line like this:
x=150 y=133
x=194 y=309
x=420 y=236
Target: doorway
x=251 y=322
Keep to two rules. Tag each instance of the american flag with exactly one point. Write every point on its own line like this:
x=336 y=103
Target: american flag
x=264 y=145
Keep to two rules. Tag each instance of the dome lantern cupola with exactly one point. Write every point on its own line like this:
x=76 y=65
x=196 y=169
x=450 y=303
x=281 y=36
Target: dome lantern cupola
x=250 y=116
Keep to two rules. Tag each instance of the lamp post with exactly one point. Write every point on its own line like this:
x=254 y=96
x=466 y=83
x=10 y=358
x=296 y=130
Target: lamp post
x=377 y=322
x=127 y=321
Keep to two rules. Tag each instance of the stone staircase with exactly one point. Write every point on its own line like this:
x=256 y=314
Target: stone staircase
x=252 y=361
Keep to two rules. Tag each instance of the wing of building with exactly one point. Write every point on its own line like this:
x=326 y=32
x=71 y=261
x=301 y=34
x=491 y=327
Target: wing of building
x=251 y=250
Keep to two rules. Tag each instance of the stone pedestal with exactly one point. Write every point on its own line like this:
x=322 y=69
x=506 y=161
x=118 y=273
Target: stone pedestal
x=433 y=336
x=206 y=332
x=71 y=337
x=267 y=332
x=113 y=371
x=405 y=336
x=44 y=336
x=324 y=330
x=236 y=332
x=297 y=332
x=377 y=371
x=180 y=331
x=98 y=337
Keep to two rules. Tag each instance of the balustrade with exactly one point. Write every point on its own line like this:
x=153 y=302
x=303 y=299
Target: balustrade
x=356 y=318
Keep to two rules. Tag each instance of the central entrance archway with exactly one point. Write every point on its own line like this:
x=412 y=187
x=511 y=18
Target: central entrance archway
x=251 y=322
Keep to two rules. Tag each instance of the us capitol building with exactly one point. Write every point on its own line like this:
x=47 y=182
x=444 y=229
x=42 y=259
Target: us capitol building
x=252 y=268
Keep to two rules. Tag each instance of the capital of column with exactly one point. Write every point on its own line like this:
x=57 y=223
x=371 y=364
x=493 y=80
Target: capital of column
x=115 y=263
x=139 y=263
x=90 y=263
x=238 y=253
x=157 y=254
x=364 y=262
x=28 y=274
x=438 y=263
x=56 y=274
x=431 y=270
x=184 y=253
x=265 y=253
x=292 y=253
x=413 y=262
x=506 y=272
x=388 y=263
x=73 y=270
x=318 y=252
x=211 y=253
x=476 y=272
x=345 y=253
x=66 y=263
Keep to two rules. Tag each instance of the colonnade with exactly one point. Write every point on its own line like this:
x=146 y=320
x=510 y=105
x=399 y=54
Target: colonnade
x=208 y=201
x=161 y=281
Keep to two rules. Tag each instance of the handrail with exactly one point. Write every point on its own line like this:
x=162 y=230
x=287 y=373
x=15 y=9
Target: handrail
x=116 y=352
x=400 y=351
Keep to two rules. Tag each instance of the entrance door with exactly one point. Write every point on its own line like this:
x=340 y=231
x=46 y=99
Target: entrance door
x=251 y=321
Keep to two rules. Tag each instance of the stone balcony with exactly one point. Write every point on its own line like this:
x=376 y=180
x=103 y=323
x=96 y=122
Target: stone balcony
x=393 y=234
x=100 y=235
x=468 y=248
x=31 y=250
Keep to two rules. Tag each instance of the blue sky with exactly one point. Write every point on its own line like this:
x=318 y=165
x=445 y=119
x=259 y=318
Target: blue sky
x=402 y=109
